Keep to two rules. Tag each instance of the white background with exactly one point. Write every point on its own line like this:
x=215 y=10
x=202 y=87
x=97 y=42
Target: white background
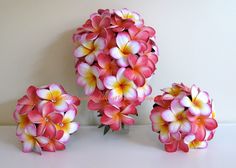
x=197 y=42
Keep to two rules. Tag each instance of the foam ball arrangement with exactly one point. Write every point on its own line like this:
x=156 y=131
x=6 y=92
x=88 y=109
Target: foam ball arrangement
x=183 y=117
x=45 y=118
x=115 y=55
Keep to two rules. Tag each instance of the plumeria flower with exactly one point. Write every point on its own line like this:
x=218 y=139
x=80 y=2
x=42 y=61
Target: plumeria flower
x=89 y=78
x=32 y=142
x=143 y=92
x=125 y=47
x=176 y=143
x=67 y=125
x=90 y=49
x=114 y=117
x=120 y=87
x=198 y=104
x=54 y=142
x=177 y=117
x=98 y=101
x=23 y=122
x=160 y=125
x=139 y=70
x=126 y=14
x=202 y=124
x=28 y=101
x=55 y=94
x=119 y=24
x=108 y=66
x=174 y=91
x=46 y=119
x=193 y=143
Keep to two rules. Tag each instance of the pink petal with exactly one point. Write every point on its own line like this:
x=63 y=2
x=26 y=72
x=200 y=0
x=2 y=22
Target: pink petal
x=133 y=46
x=109 y=82
x=106 y=120
x=127 y=120
x=114 y=96
x=172 y=147
x=122 y=39
x=41 y=129
x=201 y=133
x=24 y=100
x=49 y=147
x=59 y=146
x=31 y=129
x=205 y=109
x=115 y=126
x=35 y=116
x=28 y=146
x=185 y=127
x=47 y=108
x=145 y=71
x=174 y=126
x=100 y=43
x=210 y=124
x=194 y=92
x=116 y=53
x=81 y=51
x=130 y=109
x=25 y=109
x=110 y=111
x=176 y=107
x=132 y=59
x=186 y=102
x=139 y=80
x=123 y=62
x=168 y=116
x=94 y=106
x=131 y=94
x=184 y=147
x=103 y=60
x=55 y=117
x=81 y=81
x=73 y=127
x=50 y=130
x=203 y=97
x=130 y=74
x=120 y=74
x=44 y=94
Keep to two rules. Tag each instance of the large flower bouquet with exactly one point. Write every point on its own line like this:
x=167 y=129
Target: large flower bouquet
x=45 y=118
x=115 y=55
x=184 y=118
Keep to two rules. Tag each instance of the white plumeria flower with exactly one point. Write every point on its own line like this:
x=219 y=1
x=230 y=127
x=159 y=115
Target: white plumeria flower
x=177 y=117
x=199 y=103
x=120 y=87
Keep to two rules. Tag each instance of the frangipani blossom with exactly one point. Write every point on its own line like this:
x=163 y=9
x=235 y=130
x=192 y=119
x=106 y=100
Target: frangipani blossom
x=198 y=104
x=54 y=142
x=46 y=119
x=32 y=142
x=120 y=87
x=114 y=117
x=125 y=47
x=67 y=125
x=182 y=129
x=90 y=49
x=138 y=71
x=55 y=95
x=23 y=122
x=126 y=14
x=89 y=78
x=177 y=118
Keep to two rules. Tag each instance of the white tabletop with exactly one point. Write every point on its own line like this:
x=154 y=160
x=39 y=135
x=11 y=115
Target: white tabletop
x=139 y=148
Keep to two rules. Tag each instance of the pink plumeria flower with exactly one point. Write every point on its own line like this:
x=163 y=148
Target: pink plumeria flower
x=199 y=102
x=54 y=142
x=126 y=14
x=120 y=87
x=174 y=91
x=176 y=143
x=125 y=47
x=28 y=101
x=160 y=125
x=32 y=142
x=114 y=117
x=177 y=118
x=139 y=70
x=201 y=124
x=55 y=94
x=90 y=49
x=89 y=78
x=23 y=122
x=193 y=143
x=98 y=101
x=46 y=119
x=143 y=92
x=119 y=24
x=67 y=125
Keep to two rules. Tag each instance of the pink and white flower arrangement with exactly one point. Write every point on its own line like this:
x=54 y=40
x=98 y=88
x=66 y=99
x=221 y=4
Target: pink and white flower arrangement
x=184 y=118
x=115 y=56
x=45 y=118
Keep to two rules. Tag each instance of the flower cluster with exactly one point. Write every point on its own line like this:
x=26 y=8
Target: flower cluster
x=115 y=55
x=183 y=117
x=45 y=118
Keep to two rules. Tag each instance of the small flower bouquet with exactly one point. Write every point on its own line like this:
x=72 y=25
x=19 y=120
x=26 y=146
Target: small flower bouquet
x=115 y=55
x=45 y=118
x=183 y=117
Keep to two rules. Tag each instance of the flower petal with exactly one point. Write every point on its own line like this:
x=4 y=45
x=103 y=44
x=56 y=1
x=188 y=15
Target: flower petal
x=205 y=109
x=99 y=43
x=83 y=68
x=116 y=53
x=44 y=94
x=131 y=94
x=115 y=96
x=122 y=39
x=42 y=140
x=176 y=107
x=185 y=126
x=123 y=62
x=28 y=146
x=90 y=58
x=61 y=105
x=194 y=91
x=186 y=102
x=194 y=110
x=55 y=90
x=210 y=124
x=69 y=115
x=168 y=116
x=171 y=147
x=81 y=51
x=35 y=116
x=133 y=47
x=203 y=97
x=109 y=82
x=127 y=120
x=89 y=89
x=174 y=126
x=110 y=111
x=55 y=118
x=73 y=127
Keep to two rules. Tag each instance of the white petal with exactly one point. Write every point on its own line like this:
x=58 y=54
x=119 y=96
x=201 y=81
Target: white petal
x=174 y=126
x=194 y=92
x=185 y=126
x=176 y=107
x=168 y=116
